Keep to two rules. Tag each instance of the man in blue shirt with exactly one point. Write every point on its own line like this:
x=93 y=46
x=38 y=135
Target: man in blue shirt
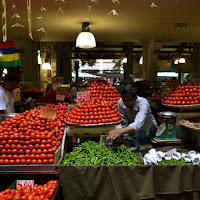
x=137 y=119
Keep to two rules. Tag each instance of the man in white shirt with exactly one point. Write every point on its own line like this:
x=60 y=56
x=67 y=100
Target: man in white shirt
x=137 y=119
x=7 y=85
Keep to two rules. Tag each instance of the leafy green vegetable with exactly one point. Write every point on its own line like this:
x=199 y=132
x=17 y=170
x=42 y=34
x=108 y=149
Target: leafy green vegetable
x=174 y=162
x=92 y=153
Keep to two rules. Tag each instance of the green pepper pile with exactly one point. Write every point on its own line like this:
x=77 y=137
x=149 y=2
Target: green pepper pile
x=92 y=153
x=174 y=162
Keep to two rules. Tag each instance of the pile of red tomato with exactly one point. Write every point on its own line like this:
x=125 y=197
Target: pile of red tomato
x=103 y=91
x=184 y=94
x=28 y=138
x=94 y=112
x=38 y=192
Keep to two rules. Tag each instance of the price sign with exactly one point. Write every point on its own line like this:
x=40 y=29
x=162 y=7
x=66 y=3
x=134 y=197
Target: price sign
x=171 y=152
x=56 y=86
x=83 y=96
x=60 y=97
x=24 y=183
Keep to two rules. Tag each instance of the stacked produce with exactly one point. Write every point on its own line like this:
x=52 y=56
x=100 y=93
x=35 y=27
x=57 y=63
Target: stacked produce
x=184 y=94
x=171 y=83
x=28 y=138
x=172 y=157
x=92 y=153
x=103 y=91
x=94 y=112
x=35 y=94
x=50 y=97
x=156 y=97
x=38 y=192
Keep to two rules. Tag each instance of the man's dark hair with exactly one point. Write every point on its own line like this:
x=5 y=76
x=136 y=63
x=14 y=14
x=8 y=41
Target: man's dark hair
x=12 y=77
x=129 y=90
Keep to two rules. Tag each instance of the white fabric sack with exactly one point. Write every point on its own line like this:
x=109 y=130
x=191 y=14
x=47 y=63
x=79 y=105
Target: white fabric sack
x=150 y=159
x=159 y=156
x=153 y=154
x=167 y=156
x=196 y=159
x=176 y=156
x=192 y=153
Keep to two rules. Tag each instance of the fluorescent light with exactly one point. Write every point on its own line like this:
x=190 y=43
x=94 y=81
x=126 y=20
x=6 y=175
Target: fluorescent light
x=168 y=74
x=182 y=60
x=85 y=40
x=141 y=60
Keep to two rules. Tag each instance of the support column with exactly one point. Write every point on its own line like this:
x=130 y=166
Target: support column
x=129 y=66
x=76 y=67
x=150 y=59
x=196 y=61
x=28 y=56
x=145 y=69
x=64 y=65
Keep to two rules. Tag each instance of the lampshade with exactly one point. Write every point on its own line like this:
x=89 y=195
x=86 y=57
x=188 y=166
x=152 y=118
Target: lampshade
x=46 y=65
x=176 y=62
x=85 y=39
x=124 y=60
x=181 y=60
x=141 y=60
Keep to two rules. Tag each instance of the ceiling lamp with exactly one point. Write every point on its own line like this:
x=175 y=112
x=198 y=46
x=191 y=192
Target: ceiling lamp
x=124 y=60
x=85 y=39
x=46 y=65
x=176 y=62
x=141 y=60
x=182 y=61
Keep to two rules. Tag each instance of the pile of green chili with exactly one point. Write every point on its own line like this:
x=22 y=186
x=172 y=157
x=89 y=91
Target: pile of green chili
x=174 y=162
x=92 y=153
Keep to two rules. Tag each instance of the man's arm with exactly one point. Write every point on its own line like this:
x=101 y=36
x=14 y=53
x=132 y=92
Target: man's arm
x=140 y=116
x=3 y=111
x=117 y=133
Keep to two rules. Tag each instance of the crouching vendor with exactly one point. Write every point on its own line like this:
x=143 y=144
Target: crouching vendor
x=138 y=123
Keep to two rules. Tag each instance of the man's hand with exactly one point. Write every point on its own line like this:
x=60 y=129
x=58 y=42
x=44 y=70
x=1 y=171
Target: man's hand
x=117 y=133
x=114 y=134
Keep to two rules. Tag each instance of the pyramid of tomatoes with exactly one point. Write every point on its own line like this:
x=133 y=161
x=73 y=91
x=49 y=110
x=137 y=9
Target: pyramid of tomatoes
x=94 y=112
x=184 y=94
x=37 y=192
x=104 y=91
x=28 y=138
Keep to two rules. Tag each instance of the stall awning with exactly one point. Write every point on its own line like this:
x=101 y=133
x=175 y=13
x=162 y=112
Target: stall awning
x=9 y=57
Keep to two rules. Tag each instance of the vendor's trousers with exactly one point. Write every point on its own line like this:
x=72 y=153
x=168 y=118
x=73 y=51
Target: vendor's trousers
x=139 y=140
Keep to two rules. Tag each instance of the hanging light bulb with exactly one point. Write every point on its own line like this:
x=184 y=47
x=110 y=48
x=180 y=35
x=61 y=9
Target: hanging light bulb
x=85 y=39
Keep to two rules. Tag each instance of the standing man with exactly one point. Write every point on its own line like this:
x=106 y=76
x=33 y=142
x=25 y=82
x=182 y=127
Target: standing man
x=7 y=85
x=137 y=120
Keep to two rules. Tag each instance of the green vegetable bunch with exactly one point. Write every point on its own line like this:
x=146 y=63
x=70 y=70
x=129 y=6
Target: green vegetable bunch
x=174 y=162
x=92 y=153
